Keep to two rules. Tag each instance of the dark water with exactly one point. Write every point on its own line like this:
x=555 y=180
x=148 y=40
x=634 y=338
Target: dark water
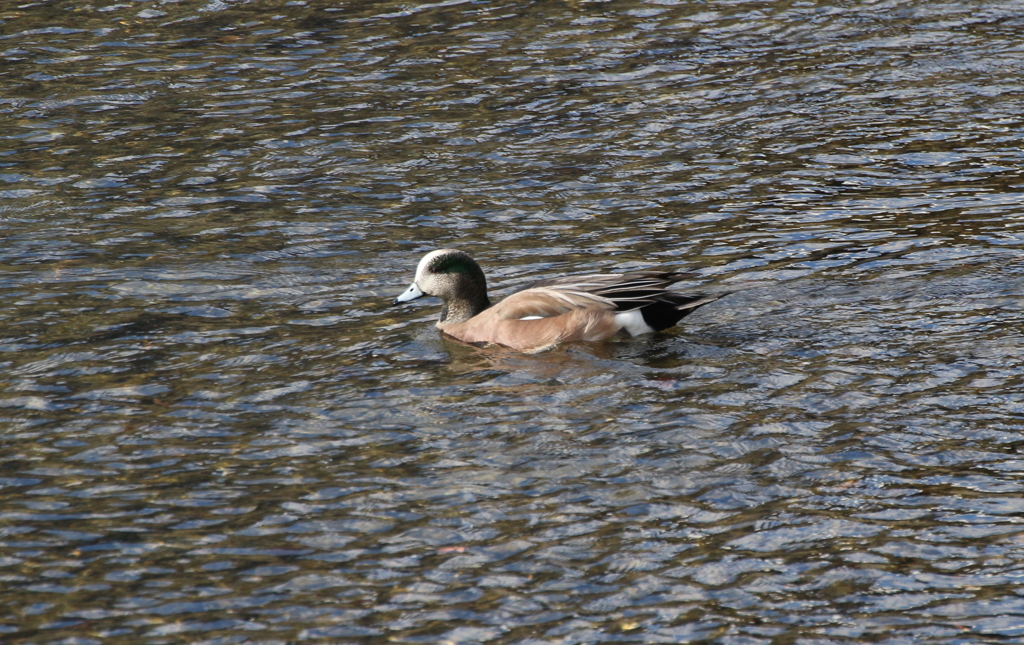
x=215 y=430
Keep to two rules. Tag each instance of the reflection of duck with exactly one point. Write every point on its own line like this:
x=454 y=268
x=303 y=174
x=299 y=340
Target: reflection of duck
x=548 y=312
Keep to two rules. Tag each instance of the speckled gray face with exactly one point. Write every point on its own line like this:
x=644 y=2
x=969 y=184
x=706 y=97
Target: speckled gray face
x=424 y=276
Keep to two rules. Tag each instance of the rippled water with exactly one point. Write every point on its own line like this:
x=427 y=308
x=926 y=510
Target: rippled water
x=215 y=430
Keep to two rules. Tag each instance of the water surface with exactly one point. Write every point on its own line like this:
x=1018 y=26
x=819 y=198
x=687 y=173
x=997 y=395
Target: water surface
x=216 y=430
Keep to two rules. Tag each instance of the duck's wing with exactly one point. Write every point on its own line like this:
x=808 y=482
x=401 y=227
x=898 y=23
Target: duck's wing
x=622 y=292
x=547 y=301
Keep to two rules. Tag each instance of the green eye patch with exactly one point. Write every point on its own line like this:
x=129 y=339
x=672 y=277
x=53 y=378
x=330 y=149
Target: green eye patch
x=453 y=264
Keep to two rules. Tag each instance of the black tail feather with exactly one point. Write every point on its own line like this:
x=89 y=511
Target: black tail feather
x=670 y=308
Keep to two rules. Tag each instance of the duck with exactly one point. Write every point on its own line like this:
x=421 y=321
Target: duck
x=552 y=311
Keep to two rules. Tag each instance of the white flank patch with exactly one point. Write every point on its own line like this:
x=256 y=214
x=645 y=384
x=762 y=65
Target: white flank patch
x=532 y=318
x=633 y=322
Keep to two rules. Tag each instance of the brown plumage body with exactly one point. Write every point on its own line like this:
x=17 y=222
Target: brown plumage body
x=495 y=326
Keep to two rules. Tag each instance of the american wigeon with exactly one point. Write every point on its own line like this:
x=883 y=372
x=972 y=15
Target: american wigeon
x=548 y=312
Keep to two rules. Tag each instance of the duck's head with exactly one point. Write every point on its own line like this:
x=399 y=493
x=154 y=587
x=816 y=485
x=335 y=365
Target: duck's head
x=454 y=277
